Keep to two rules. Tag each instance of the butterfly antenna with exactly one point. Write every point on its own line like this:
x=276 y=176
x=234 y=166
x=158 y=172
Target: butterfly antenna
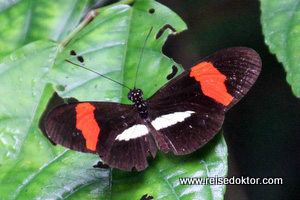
x=96 y=73
x=141 y=56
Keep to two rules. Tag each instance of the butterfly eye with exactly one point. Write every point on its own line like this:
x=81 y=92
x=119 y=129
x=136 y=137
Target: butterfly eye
x=130 y=95
x=140 y=91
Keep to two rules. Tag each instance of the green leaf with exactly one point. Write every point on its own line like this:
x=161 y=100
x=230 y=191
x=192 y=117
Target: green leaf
x=280 y=20
x=32 y=168
x=24 y=21
x=111 y=44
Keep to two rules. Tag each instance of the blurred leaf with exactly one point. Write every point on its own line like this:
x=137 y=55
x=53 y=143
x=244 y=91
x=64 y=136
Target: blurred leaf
x=31 y=168
x=280 y=20
x=25 y=21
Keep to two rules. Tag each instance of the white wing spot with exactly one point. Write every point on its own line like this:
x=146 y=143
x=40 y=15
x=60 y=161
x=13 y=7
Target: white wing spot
x=135 y=131
x=165 y=121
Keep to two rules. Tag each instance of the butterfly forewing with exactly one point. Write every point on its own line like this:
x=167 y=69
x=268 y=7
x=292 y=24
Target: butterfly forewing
x=61 y=128
x=241 y=66
x=238 y=67
x=112 y=130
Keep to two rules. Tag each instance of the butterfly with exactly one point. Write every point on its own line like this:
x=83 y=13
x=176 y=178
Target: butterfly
x=181 y=116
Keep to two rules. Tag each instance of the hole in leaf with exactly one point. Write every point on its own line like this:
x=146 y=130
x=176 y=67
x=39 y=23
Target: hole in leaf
x=80 y=59
x=146 y=197
x=151 y=10
x=73 y=53
x=173 y=73
x=165 y=27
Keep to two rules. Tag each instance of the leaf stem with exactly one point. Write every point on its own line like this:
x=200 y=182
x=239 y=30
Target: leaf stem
x=89 y=17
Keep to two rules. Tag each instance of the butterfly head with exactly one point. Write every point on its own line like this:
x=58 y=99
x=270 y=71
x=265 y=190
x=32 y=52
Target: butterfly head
x=135 y=95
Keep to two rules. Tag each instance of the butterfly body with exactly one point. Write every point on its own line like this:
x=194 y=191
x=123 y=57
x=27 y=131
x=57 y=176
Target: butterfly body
x=136 y=96
x=181 y=116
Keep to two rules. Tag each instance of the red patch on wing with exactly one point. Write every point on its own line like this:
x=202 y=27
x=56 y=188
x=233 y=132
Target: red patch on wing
x=212 y=82
x=86 y=122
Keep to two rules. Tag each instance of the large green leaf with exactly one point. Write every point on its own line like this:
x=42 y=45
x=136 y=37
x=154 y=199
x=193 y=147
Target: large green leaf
x=31 y=168
x=280 y=20
x=24 y=21
x=111 y=44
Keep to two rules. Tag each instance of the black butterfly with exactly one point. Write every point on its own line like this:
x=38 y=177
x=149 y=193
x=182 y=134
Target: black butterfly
x=181 y=116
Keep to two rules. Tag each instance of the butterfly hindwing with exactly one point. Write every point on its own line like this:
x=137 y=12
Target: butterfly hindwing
x=195 y=101
x=128 y=142
x=186 y=127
